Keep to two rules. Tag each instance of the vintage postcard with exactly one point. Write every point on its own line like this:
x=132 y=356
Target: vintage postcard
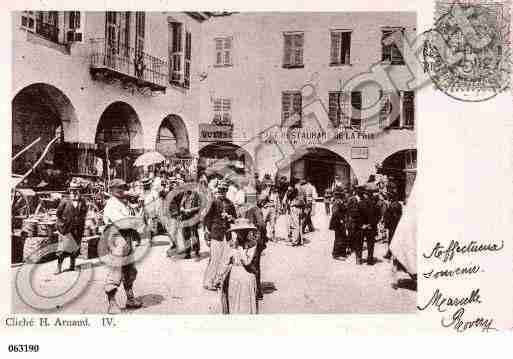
x=240 y=162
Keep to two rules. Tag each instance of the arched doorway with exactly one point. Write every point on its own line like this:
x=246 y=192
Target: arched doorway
x=320 y=166
x=401 y=169
x=119 y=138
x=225 y=154
x=173 y=138
x=39 y=113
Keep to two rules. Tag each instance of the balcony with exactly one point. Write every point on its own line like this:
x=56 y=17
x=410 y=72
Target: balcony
x=129 y=65
x=47 y=30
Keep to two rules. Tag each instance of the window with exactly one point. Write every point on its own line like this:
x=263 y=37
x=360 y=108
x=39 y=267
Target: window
x=222 y=112
x=392 y=45
x=188 y=50
x=340 y=47
x=340 y=109
x=28 y=20
x=399 y=104
x=291 y=105
x=223 y=51
x=176 y=53
x=74 y=23
x=293 y=50
x=47 y=25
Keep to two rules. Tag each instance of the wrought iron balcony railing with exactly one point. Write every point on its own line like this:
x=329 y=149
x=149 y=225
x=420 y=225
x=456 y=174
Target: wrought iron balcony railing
x=47 y=30
x=129 y=64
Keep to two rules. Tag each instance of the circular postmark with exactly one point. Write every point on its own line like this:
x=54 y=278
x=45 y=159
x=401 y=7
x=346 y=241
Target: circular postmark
x=467 y=54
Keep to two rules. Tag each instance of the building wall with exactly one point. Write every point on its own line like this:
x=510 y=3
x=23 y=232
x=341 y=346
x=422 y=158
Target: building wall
x=38 y=61
x=256 y=80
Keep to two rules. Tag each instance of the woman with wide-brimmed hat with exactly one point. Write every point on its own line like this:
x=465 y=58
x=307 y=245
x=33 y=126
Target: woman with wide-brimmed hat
x=238 y=283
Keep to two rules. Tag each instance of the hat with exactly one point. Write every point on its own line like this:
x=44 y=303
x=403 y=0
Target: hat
x=74 y=184
x=242 y=224
x=117 y=183
x=222 y=185
x=146 y=181
x=132 y=193
x=338 y=191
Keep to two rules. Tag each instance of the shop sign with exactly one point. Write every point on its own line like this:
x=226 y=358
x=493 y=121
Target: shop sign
x=358 y=153
x=213 y=133
x=307 y=136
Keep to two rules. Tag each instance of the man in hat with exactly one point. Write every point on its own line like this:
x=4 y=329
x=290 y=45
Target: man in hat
x=150 y=201
x=121 y=229
x=216 y=223
x=370 y=218
x=71 y=215
x=296 y=199
x=353 y=221
x=337 y=224
x=190 y=205
x=309 y=190
x=255 y=215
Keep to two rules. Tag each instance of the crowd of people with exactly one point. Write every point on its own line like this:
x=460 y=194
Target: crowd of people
x=234 y=227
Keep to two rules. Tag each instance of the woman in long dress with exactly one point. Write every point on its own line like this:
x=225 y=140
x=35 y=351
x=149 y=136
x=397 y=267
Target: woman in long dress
x=239 y=287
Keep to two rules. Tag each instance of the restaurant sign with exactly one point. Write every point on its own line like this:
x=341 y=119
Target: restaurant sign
x=308 y=136
x=213 y=133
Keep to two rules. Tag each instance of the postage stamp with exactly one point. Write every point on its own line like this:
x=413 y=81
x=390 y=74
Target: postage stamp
x=468 y=52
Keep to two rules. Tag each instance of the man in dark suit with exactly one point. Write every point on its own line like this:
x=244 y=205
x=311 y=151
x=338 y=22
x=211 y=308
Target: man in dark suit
x=71 y=215
x=370 y=217
x=189 y=207
x=256 y=217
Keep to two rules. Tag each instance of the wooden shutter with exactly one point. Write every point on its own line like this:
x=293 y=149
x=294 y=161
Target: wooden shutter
x=140 y=30
x=386 y=49
x=112 y=35
x=176 y=52
x=286 y=106
x=297 y=107
x=356 y=104
x=397 y=47
x=386 y=108
x=188 y=50
x=226 y=112
x=345 y=51
x=334 y=108
x=298 y=49
x=409 y=109
x=218 y=108
x=287 y=57
x=219 y=51
x=336 y=41
x=227 y=60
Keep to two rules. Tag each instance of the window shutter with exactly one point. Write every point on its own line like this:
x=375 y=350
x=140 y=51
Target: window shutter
x=287 y=58
x=286 y=106
x=386 y=108
x=219 y=51
x=227 y=51
x=346 y=48
x=396 y=47
x=297 y=107
x=218 y=107
x=386 y=50
x=409 y=109
x=226 y=111
x=345 y=109
x=176 y=55
x=334 y=108
x=336 y=38
x=356 y=104
x=298 y=49
x=188 y=50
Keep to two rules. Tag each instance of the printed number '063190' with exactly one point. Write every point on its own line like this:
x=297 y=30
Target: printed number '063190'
x=23 y=348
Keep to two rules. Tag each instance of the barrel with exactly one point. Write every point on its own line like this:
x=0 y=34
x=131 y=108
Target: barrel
x=29 y=226
x=45 y=228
